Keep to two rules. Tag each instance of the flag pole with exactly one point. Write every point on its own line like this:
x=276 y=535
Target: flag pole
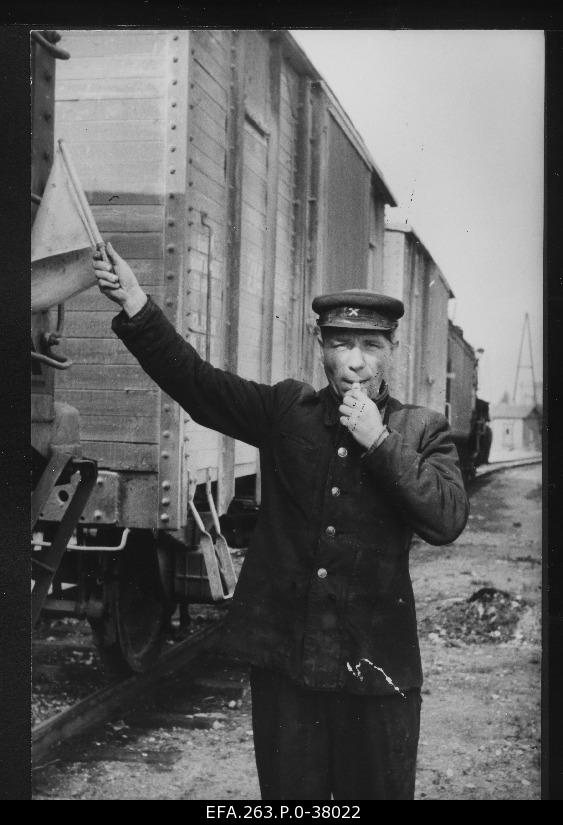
x=84 y=205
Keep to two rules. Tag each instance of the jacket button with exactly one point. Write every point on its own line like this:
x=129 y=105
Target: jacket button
x=322 y=573
x=330 y=531
x=335 y=491
x=342 y=452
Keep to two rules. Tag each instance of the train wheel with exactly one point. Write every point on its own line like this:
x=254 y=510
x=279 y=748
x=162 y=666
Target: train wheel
x=131 y=633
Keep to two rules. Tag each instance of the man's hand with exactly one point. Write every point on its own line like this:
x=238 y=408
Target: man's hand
x=361 y=415
x=117 y=281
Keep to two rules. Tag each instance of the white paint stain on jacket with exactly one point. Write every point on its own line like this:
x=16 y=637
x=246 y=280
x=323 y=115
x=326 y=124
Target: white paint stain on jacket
x=355 y=671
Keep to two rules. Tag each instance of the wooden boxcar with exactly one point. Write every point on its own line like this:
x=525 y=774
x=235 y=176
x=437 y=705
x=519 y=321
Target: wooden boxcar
x=221 y=166
x=411 y=274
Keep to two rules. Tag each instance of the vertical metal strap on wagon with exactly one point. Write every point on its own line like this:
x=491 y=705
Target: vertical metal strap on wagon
x=302 y=218
x=172 y=503
x=231 y=301
x=317 y=223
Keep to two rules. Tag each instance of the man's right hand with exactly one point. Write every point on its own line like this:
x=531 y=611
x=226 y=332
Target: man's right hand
x=117 y=281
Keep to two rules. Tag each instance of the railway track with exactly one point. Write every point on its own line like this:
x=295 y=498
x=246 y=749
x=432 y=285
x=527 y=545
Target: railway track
x=497 y=466
x=126 y=694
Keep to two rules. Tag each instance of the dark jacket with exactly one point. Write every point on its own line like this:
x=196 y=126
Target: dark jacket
x=324 y=594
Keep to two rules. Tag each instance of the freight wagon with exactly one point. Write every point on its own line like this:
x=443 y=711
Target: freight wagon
x=222 y=167
x=434 y=365
x=411 y=274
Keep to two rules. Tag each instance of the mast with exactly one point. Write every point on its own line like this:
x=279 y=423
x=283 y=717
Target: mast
x=529 y=366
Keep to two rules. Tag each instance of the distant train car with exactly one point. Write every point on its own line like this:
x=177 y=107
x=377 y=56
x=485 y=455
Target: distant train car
x=468 y=415
x=223 y=168
x=434 y=366
x=411 y=274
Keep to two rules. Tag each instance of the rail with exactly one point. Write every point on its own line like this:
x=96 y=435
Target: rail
x=497 y=466
x=101 y=705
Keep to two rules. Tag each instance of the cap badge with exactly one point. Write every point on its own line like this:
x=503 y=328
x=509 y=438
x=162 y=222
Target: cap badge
x=352 y=311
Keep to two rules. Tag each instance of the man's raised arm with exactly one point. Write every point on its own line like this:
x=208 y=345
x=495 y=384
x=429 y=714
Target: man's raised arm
x=213 y=397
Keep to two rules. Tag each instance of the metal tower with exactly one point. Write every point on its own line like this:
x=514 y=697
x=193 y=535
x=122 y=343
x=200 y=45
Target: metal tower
x=529 y=366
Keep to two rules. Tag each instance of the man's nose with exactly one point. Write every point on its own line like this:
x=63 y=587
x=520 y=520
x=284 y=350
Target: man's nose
x=356 y=358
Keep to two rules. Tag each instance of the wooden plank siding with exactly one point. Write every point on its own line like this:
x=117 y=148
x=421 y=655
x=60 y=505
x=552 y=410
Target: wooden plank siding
x=284 y=322
x=209 y=92
x=253 y=241
x=112 y=112
x=108 y=44
x=90 y=376
x=204 y=155
x=120 y=456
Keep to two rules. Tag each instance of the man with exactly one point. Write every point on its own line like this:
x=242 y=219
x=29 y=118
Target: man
x=324 y=609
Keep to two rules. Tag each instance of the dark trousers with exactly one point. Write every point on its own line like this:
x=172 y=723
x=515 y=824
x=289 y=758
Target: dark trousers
x=317 y=745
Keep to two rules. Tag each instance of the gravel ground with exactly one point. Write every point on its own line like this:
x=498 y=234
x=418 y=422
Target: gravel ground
x=479 y=605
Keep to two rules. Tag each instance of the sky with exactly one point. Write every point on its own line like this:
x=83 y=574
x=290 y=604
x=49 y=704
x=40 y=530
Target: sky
x=454 y=121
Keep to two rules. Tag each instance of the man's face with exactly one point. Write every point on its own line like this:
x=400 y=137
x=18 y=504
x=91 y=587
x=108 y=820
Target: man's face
x=351 y=356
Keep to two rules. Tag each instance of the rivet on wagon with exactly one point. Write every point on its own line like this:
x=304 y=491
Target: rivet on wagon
x=174 y=104
x=165 y=502
x=174 y=82
x=100 y=482
x=171 y=248
x=97 y=515
x=171 y=222
x=165 y=517
x=172 y=171
x=166 y=408
x=169 y=302
x=174 y=59
x=165 y=485
x=175 y=37
x=170 y=276
x=165 y=454
x=166 y=434
x=172 y=125
x=172 y=148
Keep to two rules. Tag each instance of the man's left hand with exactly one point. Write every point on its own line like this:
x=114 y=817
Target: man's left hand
x=361 y=415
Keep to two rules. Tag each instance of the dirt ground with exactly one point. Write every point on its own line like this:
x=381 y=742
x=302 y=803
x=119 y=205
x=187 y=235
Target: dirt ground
x=479 y=610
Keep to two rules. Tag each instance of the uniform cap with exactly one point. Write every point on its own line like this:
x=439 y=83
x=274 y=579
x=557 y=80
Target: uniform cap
x=358 y=309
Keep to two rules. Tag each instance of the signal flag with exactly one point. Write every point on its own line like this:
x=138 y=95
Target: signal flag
x=63 y=238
